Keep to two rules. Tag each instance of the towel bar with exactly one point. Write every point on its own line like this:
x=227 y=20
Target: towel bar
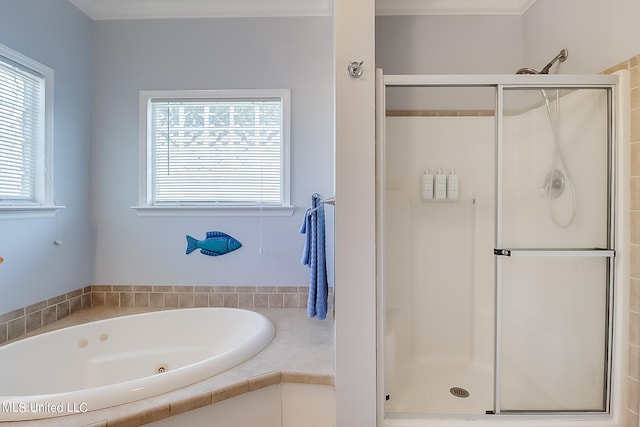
x=327 y=201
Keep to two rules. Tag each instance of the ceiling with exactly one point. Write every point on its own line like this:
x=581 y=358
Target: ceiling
x=155 y=9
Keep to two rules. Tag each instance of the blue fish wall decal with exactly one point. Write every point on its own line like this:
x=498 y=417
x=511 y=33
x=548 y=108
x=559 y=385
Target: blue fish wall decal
x=215 y=243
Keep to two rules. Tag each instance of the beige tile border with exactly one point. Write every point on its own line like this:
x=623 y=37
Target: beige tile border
x=201 y=296
x=265 y=380
x=305 y=378
x=188 y=404
x=27 y=319
x=218 y=395
x=17 y=323
x=227 y=392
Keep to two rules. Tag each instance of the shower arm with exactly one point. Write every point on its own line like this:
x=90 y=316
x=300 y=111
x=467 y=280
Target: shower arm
x=559 y=57
x=562 y=56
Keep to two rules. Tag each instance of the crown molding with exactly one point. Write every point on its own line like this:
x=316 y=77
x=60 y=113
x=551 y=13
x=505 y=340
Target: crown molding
x=164 y=9
x=452 y=7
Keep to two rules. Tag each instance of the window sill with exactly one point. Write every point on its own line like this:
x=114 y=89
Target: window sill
x=214 y=211
x=28 y=212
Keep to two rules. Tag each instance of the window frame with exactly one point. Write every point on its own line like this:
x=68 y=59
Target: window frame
x=145 y=205
x=43 y=204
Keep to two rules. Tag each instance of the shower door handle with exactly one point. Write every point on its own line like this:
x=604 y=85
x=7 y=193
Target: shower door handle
x=587 y=252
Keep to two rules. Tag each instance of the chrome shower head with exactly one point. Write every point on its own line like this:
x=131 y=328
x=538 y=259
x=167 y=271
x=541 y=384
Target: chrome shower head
x=526 y=71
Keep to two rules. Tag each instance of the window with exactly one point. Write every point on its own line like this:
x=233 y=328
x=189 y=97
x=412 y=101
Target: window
x=222 y=151
x=26 y=88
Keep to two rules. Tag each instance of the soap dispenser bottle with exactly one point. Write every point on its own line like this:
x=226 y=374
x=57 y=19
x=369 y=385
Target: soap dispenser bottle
x=440 y=190
x=453 y=186
x=427 y=185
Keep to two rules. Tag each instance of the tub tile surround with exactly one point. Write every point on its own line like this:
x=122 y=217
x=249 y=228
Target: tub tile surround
x=17 y=323
x=201 y=296
x=301 y=352
x=633 y=352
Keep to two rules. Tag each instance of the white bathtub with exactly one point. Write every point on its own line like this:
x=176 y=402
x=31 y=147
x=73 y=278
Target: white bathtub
x=114 y=361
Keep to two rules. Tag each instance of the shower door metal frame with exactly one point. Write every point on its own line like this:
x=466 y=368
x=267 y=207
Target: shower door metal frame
x=500 y=82
x=609 y=253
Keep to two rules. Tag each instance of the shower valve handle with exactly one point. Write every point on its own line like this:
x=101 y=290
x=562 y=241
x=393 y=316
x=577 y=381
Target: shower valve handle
x=502 y=252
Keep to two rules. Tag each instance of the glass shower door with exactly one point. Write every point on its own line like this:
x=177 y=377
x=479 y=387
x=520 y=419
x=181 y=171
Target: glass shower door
x=554 y=254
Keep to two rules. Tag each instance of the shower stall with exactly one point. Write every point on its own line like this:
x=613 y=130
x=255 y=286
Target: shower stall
x=497 y=297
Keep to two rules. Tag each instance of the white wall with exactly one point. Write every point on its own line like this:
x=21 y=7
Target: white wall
x=230 y=53
x=355 y=215
x=598 y=34
x=261 y=407
x=308 y=405
x=58 y=35
x=280 y=405
x=448 y=44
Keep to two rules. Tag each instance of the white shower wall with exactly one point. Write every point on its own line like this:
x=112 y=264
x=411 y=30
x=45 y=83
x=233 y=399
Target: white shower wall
x=438 y=254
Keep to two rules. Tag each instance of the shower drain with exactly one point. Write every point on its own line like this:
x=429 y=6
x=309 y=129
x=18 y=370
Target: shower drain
x=459 y=392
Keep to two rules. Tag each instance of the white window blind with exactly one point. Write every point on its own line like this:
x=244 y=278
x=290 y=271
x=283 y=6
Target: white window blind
x=226 y=151
x=21 y=133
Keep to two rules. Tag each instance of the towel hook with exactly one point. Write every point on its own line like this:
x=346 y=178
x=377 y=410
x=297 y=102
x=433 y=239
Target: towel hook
x=354 y=69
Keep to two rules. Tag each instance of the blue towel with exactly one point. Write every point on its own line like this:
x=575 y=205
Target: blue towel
x=314 y=255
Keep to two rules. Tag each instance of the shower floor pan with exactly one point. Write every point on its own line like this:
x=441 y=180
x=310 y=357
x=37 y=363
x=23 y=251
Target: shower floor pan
x=439 y=388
